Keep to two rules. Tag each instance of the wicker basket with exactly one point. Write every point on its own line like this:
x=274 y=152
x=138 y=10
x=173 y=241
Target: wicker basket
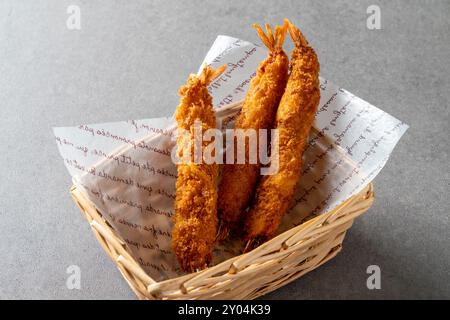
x=270 y=266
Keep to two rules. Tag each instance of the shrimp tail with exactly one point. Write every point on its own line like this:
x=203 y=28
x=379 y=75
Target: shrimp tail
x=297 y=36
x=209 y=74
x=274 y=42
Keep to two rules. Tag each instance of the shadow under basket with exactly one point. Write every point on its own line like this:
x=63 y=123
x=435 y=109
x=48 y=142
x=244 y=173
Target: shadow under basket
x=275 y=263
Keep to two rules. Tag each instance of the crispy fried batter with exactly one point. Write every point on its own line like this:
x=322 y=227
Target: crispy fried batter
x=294 y=119
x=195 y=218
x=258 y=112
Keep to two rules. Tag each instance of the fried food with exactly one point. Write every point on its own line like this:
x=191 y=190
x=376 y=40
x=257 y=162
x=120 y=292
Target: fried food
x=294 y=119
x=195 y=221
x=258 y=112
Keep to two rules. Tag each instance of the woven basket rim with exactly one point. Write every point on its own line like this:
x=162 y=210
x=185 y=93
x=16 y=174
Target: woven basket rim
x=233 y=265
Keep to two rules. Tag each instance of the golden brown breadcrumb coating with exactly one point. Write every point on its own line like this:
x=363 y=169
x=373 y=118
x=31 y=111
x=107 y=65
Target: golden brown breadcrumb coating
x=258 y=112
x=294 y=119
x=195 y=221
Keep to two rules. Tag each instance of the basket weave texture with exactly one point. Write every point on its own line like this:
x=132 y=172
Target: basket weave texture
x=277 y=262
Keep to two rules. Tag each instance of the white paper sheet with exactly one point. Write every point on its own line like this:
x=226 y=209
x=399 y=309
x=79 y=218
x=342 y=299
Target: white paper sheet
x=125 y=168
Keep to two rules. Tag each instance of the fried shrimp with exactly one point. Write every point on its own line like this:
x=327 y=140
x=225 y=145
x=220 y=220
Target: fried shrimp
x=258 y=112
x=294 y=119
x=195 y=221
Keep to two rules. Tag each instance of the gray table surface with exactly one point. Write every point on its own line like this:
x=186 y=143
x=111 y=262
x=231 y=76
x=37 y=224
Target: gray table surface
x=127 y=62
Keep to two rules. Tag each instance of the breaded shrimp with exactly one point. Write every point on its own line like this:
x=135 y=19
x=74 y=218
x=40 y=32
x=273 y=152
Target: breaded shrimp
x=195 y=221
x=258 y=112
x=294 y=119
